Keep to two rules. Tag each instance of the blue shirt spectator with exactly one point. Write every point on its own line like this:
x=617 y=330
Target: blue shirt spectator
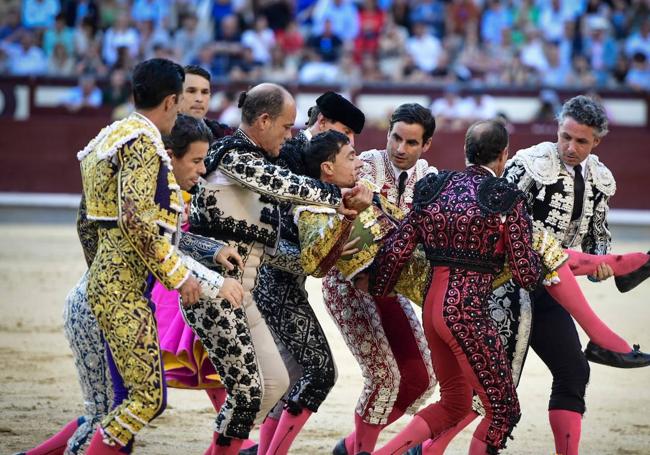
x=60 y=33
x=342 y=14
x=495 y=19
x=432 y=14
x=26 y=58
x=40 y=13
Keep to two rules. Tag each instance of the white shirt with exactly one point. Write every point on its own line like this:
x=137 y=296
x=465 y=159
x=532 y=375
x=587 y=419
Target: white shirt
x=572 y=172
x=397 y=171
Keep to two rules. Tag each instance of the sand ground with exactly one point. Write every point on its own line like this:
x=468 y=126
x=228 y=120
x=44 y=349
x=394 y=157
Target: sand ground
x=39 y=392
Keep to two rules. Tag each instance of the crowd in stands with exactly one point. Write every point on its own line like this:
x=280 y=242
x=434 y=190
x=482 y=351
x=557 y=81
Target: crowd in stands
x=515 y=43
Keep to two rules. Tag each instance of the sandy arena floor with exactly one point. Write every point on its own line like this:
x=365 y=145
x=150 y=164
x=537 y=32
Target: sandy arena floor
x=39 y=390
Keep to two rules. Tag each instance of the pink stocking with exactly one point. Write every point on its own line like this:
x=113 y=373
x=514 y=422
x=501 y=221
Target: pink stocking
x=568 y=294
x=415 y=432
x=267 y=430
x=566 y=426
x=477 y=447
x=286 y=431
x=365 y=435
x=622 y=264
x=232 y=449
x=56 y=444
x=217 y=397
x=439 y=445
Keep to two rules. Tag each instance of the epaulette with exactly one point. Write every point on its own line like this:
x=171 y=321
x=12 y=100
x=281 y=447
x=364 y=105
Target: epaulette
x=429 y=187
x=497 y=195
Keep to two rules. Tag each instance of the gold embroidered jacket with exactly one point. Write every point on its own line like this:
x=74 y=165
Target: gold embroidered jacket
x=128 y=183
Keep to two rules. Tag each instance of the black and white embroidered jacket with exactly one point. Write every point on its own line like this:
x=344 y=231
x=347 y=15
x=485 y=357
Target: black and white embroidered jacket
x=240 y=195
x=541 y=175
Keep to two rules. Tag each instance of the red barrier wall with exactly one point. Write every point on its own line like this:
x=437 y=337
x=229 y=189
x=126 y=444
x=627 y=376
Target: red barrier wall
x=39 y=155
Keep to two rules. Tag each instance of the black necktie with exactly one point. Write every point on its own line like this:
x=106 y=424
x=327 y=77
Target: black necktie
x=401 y=185
x=578 y=192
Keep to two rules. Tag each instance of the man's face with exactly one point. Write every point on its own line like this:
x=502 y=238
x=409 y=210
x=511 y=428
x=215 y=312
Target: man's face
x=575 y=141
x=276 y=131
x=344 y=170
x=190 y=167
x=196 y=96
x=405 y=146
x=325 y=124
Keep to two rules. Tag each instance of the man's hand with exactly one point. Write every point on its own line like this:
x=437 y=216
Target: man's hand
x=603 y=272
x=360 y=199
x=361 y=281
x=190 y=291
x=343 y=209
x=232 y=291
x=349 y=247
x=228 y=257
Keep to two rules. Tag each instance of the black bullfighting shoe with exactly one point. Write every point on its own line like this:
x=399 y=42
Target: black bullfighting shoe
x=631 y=280
x=339 y=448
x=252 y=450
x=633 y=359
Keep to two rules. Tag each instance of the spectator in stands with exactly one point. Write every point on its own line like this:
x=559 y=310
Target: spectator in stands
x=424 y=48
x=59 y=33
x=400 y=12
x=557 y=72
x=640 y=40
x=349 y=75
x=495 y=18
x=342 y=16
x=638 y=78
x=220 y=10
x=25 y=58
x=327 y=45
x=549 y=107
x=431 y=13
x=412 y=73
x=246 y=68
x=600 y=49
x=91 y=62
x=149 y=10
x=551 y=21
x=227 y=49
x=370 y=71
x=619 y=19
x=450 y=111
x=77 y=11
x=280 y=69
x=39 y=14
x=260 y=40
x=121 y=34
x=11 y=27
x=462 y=15
x=118 y=91
x=479 y=106
x=392 y=43
x=371 y=21
x=278 y=13
x=206 y=59
x=581 y=75
x=516 y=74
x=84 y=35
x=152 y=37
x=60 y=63
x=290 y=40
x=230 y=113
x=315 y=70
x=85 y=94
x=532 y=52
x=188 y=41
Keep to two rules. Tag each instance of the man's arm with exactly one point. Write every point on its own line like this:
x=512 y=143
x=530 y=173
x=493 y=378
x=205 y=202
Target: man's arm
x=138 y=212
x=515 y=173
x=322 y=237
x=260 y=176
x=87 y=232
x=204 y=250
x=598 y=239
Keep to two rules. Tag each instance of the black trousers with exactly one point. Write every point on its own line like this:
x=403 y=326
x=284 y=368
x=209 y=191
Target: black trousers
x=555 y=340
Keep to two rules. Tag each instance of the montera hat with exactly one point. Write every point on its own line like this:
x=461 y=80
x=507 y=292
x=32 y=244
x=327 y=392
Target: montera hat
x=335 y=107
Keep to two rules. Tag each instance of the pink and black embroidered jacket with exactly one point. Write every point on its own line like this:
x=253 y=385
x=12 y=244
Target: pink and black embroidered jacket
x=468 y=220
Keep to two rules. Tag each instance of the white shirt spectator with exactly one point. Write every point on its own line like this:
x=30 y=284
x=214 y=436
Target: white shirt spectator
x=425 y=51
x=39 y=13
x=532 y=54
x=25 y=62
x=75 y=98
x=450 y=107
x=119 y=38
x=260 y=43
x=551 y=22
x=231 y=116
x=483 y=108
x=318 y=72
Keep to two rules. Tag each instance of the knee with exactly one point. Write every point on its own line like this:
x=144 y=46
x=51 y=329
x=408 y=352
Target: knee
x=457 y=402
x=575 y=374
x=276 y=386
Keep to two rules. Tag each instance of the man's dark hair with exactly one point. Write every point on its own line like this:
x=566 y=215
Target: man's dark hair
x=414 y=113
x=199 y=71
x=186 y=130
x=484 y=141
x=322 y=147
x=262 y=99
x=586 y=111
x=154 y=80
